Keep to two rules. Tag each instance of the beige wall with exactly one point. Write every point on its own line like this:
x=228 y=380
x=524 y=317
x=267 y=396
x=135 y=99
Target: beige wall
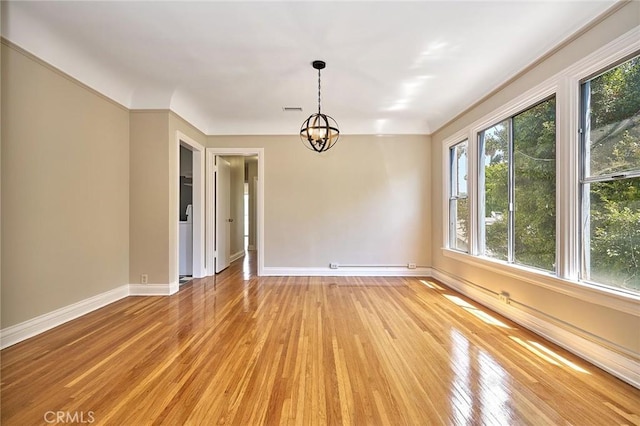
x=155 y=176
x=606 y=325
x=65 y=190
x=367 y=201
x=149 y=197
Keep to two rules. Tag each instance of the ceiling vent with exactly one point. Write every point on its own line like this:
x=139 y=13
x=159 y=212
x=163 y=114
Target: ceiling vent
x=292 y=109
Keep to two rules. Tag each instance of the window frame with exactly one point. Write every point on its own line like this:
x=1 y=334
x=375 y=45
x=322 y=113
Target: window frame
x=566 y=86
x=586 y=178
x=449 y=143
x=482 y=214
x=454 y=198
x=511 y=187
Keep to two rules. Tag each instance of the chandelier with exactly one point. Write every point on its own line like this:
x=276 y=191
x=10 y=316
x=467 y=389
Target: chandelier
x=319 y=132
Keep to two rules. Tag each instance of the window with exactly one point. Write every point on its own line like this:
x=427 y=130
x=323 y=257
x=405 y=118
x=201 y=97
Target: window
x=458 y=198
x=546 y=187
x=495 y=173
x=610 y=177
x=517 y=184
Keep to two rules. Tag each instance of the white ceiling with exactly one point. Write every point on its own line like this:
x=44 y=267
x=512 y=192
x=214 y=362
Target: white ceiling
x=230 y=67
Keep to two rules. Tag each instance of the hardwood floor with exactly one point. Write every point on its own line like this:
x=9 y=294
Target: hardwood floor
x=238 y=349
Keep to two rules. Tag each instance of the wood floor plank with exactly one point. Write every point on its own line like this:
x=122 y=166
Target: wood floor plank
x=245 y=350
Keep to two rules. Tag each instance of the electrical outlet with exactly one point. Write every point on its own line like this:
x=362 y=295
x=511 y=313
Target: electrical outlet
x=504 y=297
x=333 y=265
x=144 y=279
x=411 y=265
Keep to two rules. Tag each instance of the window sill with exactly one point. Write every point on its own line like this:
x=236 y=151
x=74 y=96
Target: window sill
x=603 y=296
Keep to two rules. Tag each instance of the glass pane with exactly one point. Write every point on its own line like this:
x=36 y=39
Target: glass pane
x=458 y=208
x=495 y=157
x=461 y=240
x=614 y=233
x=460 y=169
x=534 y=144
x=614 y=120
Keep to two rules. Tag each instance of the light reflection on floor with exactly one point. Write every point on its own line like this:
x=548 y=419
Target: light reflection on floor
x=547 y=354
x=431 y=285
x=560 y=358
x=479 y=385
x=247 y=263
x=536 y=348
x=461 y=395
x=494 y=397
x=533 y=350
x=478 y=313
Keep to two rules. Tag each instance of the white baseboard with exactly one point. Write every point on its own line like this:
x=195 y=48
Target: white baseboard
x=619 y=365
x=19 y=332
x=236 y=256
x=344 y=271
x=153 y=289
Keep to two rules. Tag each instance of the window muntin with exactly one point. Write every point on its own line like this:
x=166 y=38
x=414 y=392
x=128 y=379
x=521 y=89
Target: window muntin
x=611 y=177
x=517 y=184
x=458 y=197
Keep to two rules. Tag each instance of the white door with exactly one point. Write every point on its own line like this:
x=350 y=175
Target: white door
x=223 y=213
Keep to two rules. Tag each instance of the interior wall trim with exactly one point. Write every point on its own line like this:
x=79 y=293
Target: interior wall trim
x=61 y=73
x=612 y=299
x=347 y=271
x=153 y=289
x=624 y=367
x=24 y=330
x=236 y=256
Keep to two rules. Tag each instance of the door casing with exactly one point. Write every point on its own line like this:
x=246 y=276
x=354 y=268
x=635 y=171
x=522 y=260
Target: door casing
x=198 y=205
x=223 y=213
x=210 y=203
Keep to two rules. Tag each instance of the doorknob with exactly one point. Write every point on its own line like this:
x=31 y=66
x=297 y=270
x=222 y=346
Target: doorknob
x=229 y=220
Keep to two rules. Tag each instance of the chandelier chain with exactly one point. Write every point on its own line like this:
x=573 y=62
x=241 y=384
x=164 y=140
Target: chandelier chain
x=318 y=91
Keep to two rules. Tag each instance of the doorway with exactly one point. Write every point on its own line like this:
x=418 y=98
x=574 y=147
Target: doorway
x=185 y=233
x=215 y=238
x=232 y=208
x=190 y=207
